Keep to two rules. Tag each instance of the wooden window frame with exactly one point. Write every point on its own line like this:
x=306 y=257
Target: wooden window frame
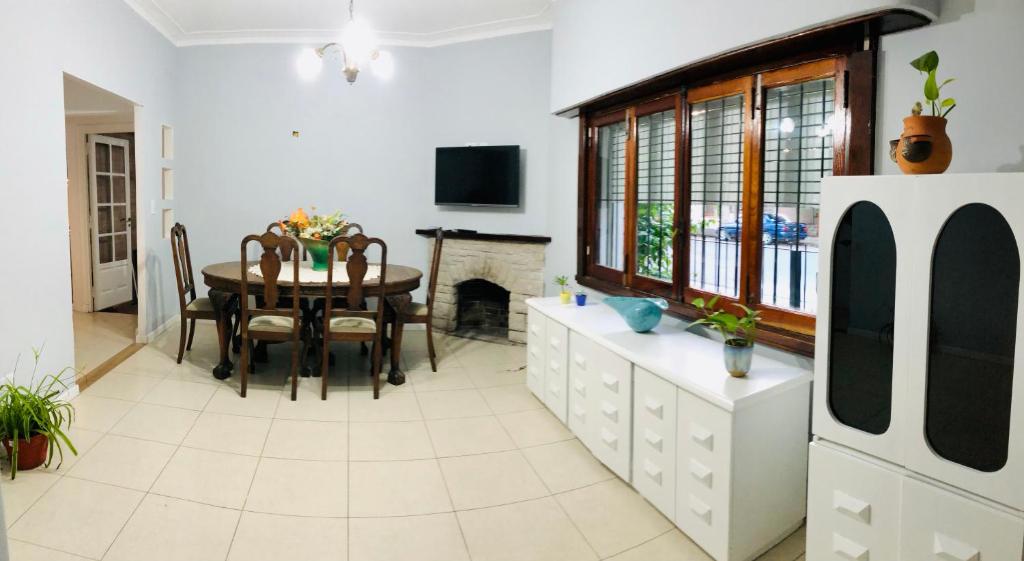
x=853 y=147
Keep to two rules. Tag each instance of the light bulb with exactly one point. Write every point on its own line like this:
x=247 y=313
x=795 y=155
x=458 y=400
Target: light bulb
x=383 y=66
x=308 y=64
x=358 y=42
x=787 y=125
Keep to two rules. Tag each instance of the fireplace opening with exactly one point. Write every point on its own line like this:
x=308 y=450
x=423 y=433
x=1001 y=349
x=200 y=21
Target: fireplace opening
x=482 y=311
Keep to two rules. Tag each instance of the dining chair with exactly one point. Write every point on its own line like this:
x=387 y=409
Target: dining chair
x=285 y=250
x=353 y=322
x=190 y=307
x=268 y=321
x=417 y=312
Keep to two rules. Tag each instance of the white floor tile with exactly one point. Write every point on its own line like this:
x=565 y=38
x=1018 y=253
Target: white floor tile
x=434 y=537
x=177 y=393
x=537 y=530
x=307 y=440
x=156 y=422
x=533 y=428
x=613 y=516
x=166 y=529
x=474 y=435
x=213 y=478
x=485 y=480
x=401 y=440
x=228 y=433
x=122 y=386
x=566 y=465
x=99 y=413
x=397 y=488
x=272 y=537
x=300 y=488
x=453 y=404
x=125 y=462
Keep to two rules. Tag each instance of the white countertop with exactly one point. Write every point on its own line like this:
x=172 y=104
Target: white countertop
x=688 y=360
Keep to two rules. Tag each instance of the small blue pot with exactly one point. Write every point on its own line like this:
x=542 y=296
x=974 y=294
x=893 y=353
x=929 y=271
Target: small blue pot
x=641 y=314
x=581 y=299
x=737 y=358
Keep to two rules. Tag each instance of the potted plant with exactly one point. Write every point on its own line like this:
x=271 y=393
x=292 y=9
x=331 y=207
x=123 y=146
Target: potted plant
x=581 y=297
x=563 y=284
x=315 y=234
x=924 y=146
x=33 y=421
x=739 y=333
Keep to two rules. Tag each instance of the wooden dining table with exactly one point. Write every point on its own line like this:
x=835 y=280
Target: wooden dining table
x=225 y=282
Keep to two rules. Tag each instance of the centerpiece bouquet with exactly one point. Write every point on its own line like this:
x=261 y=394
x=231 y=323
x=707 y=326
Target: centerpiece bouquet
x=316 y=232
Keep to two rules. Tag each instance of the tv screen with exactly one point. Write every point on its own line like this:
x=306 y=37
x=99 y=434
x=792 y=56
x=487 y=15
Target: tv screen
x=477 y=176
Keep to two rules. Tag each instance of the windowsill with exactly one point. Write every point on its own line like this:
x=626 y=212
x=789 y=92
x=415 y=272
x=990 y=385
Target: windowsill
x=768 y=335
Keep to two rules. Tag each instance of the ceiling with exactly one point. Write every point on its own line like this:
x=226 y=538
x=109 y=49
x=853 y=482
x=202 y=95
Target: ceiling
x=416 y=23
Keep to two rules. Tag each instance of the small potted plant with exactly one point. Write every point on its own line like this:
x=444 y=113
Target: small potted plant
x=315 y=234
x=581 y=297
x=924 y=146
x=563 y=285
x=739 y=333
x=33 y=421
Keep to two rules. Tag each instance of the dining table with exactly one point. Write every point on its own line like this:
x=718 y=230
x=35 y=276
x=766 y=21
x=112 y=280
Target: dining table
x=225 y=283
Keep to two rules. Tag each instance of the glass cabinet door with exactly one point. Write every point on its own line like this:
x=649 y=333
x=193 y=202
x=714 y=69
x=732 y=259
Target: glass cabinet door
x=863 y=301
x=972 y=333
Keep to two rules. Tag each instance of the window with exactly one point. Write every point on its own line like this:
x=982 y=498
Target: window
x=715 y=189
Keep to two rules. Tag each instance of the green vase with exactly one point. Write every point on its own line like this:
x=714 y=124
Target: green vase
x=317 y=250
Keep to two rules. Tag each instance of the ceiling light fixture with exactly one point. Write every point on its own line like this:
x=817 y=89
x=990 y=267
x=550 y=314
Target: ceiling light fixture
x=358 y=47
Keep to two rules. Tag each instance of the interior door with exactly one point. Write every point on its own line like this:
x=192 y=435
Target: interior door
x=110 y=218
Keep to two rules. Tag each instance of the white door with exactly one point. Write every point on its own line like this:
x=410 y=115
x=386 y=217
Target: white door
x=110 y=218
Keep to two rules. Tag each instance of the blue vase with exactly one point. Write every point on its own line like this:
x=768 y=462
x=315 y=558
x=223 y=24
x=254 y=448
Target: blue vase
x=581 y=299
x=737 y=355
x=641 y=314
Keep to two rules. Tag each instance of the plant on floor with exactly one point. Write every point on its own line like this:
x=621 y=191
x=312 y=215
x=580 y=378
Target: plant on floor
x=33 y=421
x=739 y=333
x=563 y=284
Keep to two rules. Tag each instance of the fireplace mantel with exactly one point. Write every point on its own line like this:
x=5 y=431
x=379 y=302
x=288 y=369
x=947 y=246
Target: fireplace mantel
x=474 y=235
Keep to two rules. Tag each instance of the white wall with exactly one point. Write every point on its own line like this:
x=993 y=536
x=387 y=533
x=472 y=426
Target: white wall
x=107 y=44
x=367 y=149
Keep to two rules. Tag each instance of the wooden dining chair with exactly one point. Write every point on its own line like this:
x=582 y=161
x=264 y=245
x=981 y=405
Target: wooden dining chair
x=416 y=312
x=190 y=307
x=353 y=322
x=285 y=250
x=268 y=321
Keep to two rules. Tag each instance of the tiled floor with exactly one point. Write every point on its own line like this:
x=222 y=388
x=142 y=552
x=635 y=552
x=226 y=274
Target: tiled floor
x=462 y=464
x=99 y=336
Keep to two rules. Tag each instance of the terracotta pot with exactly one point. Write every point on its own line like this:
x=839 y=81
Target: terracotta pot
x=923 y=147
x=31 y=453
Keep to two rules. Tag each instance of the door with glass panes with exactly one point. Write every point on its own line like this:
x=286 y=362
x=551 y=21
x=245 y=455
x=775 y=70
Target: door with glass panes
x=110 y=217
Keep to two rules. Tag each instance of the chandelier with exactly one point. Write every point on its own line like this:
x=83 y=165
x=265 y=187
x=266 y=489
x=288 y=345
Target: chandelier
x=357 y=49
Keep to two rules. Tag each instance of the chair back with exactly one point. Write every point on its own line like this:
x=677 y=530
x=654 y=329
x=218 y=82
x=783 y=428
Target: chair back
x=435 y=264
x=286 y=249
x=270 y=269
x=182 y=266
x=356 y=267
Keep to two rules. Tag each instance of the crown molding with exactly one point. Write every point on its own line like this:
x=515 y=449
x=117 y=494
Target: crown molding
x=150 y=11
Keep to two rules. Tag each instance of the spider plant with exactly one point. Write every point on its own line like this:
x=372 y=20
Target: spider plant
x=26 y=411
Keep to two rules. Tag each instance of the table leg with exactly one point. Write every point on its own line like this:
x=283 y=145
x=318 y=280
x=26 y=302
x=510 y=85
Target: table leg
x=397 y=302
x=223 y=306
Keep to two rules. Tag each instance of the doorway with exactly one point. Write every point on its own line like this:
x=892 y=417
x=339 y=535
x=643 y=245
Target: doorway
x=102 y=205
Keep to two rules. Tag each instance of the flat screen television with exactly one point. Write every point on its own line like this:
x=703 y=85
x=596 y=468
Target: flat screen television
x=477 y=176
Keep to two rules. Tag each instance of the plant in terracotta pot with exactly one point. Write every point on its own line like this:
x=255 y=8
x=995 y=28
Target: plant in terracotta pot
x=739 y=333
x=315 y=234
x=563 y=284
x=33 y=421
x=924 y=147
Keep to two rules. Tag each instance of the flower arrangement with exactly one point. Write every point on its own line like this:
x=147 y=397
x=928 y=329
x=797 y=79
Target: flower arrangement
x=317 y=227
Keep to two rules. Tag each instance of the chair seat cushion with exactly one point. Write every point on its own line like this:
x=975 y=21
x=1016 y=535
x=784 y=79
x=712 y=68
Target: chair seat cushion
x=415 y=309
x=200 y=305
x=279 y=324
x=353 y=325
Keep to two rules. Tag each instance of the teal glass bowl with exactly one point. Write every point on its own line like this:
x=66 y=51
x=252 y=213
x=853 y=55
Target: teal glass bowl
x=641 y=314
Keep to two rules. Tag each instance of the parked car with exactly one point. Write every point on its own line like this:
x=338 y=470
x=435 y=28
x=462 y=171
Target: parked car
x=774 y=229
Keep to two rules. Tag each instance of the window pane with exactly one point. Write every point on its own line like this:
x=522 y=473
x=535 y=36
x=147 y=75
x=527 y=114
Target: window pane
x=797 y=154
x=611 y=194
x=863 y=319
x=656 y=178
x=971 y=338
x=716 y=194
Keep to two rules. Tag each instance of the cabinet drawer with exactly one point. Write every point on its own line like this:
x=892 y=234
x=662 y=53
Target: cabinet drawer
x=580 y=390
x=937 y=525
x=535 y=341
x=703 y=452
x=852 y=508
x=556 y=376
x=654 y=440
x=611 y=410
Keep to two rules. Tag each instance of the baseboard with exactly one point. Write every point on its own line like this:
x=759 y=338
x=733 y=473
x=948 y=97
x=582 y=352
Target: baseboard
x=159 y=329
x=90 y=377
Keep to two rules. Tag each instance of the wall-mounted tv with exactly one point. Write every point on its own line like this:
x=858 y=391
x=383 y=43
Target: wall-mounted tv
x=477 y=176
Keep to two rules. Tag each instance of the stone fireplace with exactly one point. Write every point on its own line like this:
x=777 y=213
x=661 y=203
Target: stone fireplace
x=515 y=264
x=482 y=310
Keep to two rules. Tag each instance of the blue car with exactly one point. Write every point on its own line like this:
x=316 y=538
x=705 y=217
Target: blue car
x=774 y=229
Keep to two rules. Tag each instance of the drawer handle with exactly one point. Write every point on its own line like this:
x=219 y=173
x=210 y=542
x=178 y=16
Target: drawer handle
x=580 y=412
x=610 y=439
x=702 y=436
x=554 y=365
x=555 y=342
x=535 y=329
x=851 y=506
x=654 y=439
x=701 y=509
x=849 y=549
x=534 y=351
x=655 y=407
x=580 y=387
x=579 y=360
x=610 y=411
x=701 y=473
x=610 y=382
x=653 y=471
x=555 y=389
x=949 y=549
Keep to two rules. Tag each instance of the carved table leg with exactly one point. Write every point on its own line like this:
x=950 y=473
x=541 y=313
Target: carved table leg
x=397 y=302
x=223 y=305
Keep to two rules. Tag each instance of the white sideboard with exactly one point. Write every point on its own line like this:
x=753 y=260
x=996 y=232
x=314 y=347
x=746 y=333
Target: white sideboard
x=724 y=458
